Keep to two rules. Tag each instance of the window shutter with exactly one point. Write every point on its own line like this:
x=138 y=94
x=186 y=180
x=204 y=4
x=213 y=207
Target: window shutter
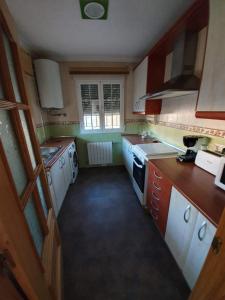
x=111 y=99
x=90 y=106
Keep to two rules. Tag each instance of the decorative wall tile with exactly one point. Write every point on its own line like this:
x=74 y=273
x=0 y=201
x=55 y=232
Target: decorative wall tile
x=196 y=129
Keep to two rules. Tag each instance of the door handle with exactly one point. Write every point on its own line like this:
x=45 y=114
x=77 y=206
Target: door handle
x=155 y=197
x=157 y=187
x=49 y=179
x=187 y=211
x=138 y=165
x=216 y=245
x=155 y=216
x=154 y=206
x=6 y=260
x=202 y=231
x=157 y=176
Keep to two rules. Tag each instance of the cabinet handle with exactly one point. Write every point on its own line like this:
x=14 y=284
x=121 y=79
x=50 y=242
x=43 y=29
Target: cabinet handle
x=157 y=176
x=155 y=197
x=187 y=214
x=157 y=187
x=63 y=161
x=202 y=231
x=155 y=217
x=60 y=163
x=154 y=206
x=49 y=179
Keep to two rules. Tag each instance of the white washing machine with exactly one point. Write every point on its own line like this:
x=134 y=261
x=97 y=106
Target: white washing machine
x=73 y=161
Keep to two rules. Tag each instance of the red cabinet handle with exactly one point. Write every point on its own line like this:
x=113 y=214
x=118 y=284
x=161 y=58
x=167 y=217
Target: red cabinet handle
x=155 y=197
x=157 y=187
x=157 y=176
x=154 y=206
x=154 y=216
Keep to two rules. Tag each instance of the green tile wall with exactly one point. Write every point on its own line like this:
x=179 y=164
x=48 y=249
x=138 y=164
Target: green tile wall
x=168 y=134
x=82 y=139
x=41 y=134
x=175 y=136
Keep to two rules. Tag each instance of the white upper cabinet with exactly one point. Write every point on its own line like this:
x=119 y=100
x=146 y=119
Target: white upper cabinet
x=49 y=83
x=212 y=91
x=180 y=226
x=140 y=85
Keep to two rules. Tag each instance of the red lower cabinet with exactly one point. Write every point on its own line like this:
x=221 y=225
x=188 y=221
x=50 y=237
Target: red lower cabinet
x=158 y=197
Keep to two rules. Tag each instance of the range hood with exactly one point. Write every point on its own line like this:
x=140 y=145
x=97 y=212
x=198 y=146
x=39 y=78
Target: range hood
x=183 y=81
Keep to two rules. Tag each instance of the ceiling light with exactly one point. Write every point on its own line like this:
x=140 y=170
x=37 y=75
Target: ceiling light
x=94 y=10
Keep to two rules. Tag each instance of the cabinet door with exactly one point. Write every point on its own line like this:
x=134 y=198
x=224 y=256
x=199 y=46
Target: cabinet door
x=128 y=156
x=201 y=241
x=180 y=226
x=54 y=201
x=140 y=85
x=158 y=197
x=211 y=102
x=67 y=168
x=58 y=182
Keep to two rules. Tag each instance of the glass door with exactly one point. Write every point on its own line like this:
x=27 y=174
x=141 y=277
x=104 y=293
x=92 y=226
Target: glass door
x=19 y=149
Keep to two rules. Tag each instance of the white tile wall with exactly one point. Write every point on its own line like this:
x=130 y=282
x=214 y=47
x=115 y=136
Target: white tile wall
x=181 y=110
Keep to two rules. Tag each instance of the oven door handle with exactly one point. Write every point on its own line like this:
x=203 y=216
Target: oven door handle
x=138 y=165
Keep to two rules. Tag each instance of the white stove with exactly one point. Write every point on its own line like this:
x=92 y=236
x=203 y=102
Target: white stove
x=146 y=152
x=142 y=154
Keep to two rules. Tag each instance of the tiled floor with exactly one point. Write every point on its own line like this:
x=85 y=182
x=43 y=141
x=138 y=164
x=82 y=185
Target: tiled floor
x=111 y=248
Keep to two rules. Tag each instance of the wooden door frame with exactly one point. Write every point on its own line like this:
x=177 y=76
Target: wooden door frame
x=30 y=269
x=15 y=238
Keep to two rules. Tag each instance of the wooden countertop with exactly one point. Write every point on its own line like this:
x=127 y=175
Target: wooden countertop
x=196 y=185
x=62 y=142
x=135 y=139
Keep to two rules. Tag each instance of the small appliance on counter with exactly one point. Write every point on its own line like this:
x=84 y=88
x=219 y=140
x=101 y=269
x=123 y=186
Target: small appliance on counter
x=208 y=161
x=193 y=143
x=220 y=176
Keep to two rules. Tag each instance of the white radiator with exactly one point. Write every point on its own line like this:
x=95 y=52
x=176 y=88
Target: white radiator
x=99 y=153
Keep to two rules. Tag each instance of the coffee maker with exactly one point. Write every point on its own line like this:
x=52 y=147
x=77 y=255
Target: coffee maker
x=193 y=143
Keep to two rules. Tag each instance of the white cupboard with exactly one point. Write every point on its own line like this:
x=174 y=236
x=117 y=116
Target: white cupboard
x=180 y=226
x=49 y=83
x=58 y=182
x=140 y=85
x=52 y=192
x=212 y=91
x=188 y=235
x=66 y=168
x=59 y=179
x=127 y=156
x=200 y=244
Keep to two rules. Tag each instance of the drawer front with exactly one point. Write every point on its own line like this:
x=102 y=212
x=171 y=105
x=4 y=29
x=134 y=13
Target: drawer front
x=158 y=197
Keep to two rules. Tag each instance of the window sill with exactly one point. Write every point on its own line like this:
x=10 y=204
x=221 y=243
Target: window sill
x=119 y=130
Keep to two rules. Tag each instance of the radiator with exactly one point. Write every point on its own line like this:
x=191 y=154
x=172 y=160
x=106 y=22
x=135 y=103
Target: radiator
x=99 y=153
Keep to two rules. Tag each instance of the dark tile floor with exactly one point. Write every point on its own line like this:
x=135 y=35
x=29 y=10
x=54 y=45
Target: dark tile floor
x=111 y=248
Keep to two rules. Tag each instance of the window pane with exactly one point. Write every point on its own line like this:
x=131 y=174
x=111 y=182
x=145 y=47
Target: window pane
x=27 y=137
x=90 y=106
x=34 y=225
x=111 y=98
x=42 y=196
x=11 y=66
x=12 y=151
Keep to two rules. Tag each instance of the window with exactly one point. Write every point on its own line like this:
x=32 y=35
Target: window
x=100 y=104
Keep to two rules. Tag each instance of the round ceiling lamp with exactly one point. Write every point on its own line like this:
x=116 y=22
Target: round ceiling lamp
x=94 y=10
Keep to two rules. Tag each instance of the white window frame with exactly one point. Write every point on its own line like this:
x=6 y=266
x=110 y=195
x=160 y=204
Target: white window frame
x=100 y=80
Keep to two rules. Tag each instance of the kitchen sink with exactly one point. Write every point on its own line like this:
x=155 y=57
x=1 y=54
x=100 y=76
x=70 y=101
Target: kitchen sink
x=47 y=153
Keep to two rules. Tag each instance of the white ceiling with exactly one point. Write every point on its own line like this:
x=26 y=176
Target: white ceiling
x=54 y=28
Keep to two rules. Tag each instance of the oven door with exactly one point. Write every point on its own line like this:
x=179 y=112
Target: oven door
x=139 y=173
